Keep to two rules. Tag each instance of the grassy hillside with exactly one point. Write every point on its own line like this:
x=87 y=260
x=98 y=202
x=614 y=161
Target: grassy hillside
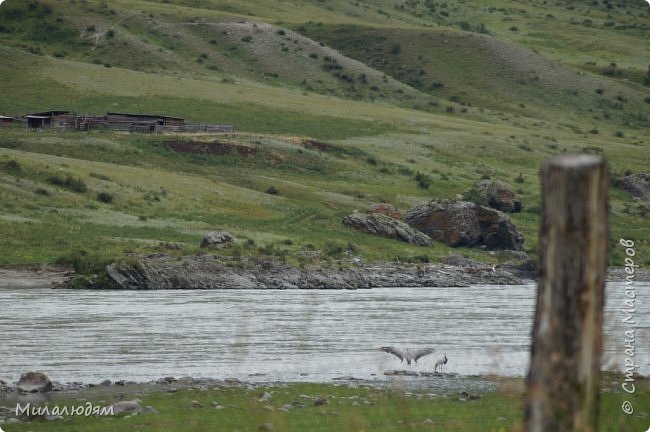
x=338 y=105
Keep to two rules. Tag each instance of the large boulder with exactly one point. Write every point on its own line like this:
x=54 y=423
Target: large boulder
x=127 y=406
x=216 y=239
x=465 y=224
x=497 y=230
x=498 y=195
x=34 y=382
x=637 y=185
x=386 y=226
x=454 y=224
x=388 y=210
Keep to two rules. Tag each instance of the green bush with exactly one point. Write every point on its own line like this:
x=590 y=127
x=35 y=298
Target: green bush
x=13 y=165
x=68 y=182
x=105 y=197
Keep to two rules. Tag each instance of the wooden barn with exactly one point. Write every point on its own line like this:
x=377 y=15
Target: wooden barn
x=6 y=120
x=141 y=122
x=50 y=119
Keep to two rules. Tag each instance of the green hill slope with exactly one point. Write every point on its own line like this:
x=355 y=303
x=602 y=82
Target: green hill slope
x=393 y=93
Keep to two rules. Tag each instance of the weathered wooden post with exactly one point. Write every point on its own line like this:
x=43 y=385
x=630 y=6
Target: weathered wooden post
x=563 y=380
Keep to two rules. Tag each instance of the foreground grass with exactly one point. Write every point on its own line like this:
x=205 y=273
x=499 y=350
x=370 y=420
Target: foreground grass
x=348 y=408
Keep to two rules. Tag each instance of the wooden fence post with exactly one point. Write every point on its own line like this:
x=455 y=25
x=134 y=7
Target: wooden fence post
x=563 y=380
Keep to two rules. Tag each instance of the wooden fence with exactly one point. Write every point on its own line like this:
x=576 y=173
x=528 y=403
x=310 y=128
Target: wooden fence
x=563 y=380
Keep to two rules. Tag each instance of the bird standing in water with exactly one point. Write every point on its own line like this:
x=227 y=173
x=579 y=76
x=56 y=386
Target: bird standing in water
x=440 y=363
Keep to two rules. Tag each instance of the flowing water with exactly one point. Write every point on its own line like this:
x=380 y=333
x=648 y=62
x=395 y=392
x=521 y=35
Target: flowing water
x=293 y=335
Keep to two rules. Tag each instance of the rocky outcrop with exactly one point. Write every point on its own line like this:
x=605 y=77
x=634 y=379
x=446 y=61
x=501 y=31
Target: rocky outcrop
x=34 y=382
x=465 y=224
x=496 y=194
x=386 y=226
x=217 y=239
x=636 y=184
x=388 y=210
x=211 y=271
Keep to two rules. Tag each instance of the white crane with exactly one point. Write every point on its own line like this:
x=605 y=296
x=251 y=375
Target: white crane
x=440 y=363
x=409 y=354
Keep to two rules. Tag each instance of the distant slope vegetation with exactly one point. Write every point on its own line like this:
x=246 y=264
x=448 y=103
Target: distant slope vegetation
x=480 y=70
x=355 y=53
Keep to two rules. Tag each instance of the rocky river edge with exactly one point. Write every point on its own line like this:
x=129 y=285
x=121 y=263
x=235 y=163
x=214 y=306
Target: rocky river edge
x=161 y=271
x=211 y=271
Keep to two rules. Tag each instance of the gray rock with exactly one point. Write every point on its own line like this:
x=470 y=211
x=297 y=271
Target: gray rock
x=320 y=401
x=465 y=224
x=148 y=410
x=636 y=184
x=121 y=407
x=217 y=239
x=34 y=382
x=196 y=404
x=496 y=194
x=386 y=226
x=266 y=427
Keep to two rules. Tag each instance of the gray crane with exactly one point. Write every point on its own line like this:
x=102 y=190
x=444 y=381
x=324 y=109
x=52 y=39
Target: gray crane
x=408 y=354
x=440 y=363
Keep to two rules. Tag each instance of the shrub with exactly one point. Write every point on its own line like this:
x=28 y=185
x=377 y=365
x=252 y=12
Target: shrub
x=520 y=179
x=396 y=49
x=70 y=183
x=333 y=249
x=272 y=190
x=41 y=191
x=525 y=147
x=13 y=165
x=100 y=176
x=105 y=197
x=422 y=180
x=84 y=262
x=422 y=258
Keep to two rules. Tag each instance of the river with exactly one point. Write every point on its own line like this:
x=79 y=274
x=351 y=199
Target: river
x=293 y=335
